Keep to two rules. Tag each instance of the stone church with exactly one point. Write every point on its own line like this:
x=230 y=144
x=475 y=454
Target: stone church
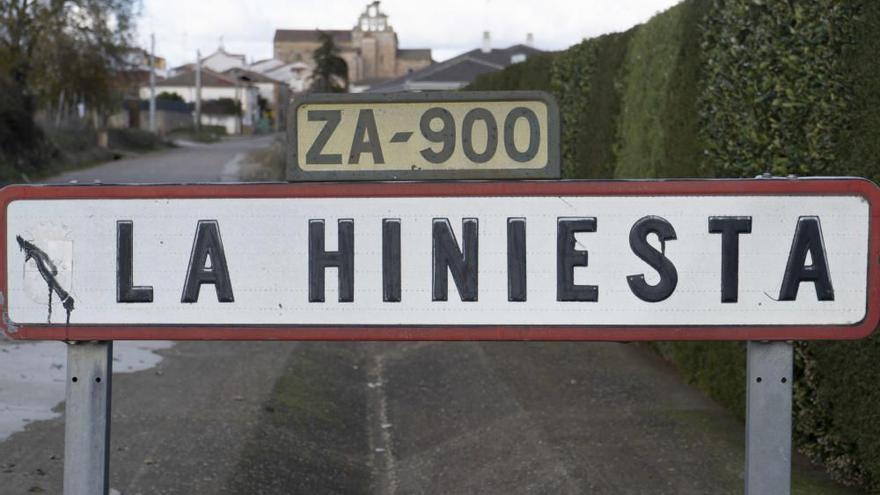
x=370 y=49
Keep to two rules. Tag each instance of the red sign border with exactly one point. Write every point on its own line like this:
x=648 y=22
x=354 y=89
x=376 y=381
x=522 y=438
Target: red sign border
x=696 y=187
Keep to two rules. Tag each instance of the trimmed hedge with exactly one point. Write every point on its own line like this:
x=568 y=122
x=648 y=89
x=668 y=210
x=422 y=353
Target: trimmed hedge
x=775 y=89
x=586 y=80
x=736 y=88
x=533 y=74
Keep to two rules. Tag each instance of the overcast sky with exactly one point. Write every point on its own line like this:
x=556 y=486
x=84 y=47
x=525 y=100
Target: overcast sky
x=449 y=27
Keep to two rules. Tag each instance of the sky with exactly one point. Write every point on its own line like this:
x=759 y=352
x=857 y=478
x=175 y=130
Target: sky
x=449 y=27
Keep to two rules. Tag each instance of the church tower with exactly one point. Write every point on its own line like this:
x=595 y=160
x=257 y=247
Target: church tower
x=377 y=43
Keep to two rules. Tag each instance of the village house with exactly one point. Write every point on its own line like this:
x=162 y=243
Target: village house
x=216 y=87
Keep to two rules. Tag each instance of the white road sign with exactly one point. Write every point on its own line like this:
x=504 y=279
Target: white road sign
x=593 y=261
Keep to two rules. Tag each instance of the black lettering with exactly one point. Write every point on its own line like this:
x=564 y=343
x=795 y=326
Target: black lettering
x=445 y=135
x=366 y=128
x=638 y=242
x=567 y=258
x=510 y=134
x=391 y=260
x=447 y=257
x=320 y=259
x=126 y=291
x=207 y=244
x=467 y=128
x=516 y=259
x=730 y=228
x=314 y=155
x=807 y=239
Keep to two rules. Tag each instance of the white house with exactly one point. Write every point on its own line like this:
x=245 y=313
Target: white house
x=222 y=61
x=267 y=87
x=296 y=75
x=263 y=66
x=214 y=87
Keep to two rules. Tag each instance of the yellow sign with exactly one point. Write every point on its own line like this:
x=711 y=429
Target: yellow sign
x=424 y=135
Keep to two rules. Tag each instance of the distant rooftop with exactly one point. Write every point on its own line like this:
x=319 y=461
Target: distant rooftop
x=209 y=79
x=458 y=71
x=297 y=35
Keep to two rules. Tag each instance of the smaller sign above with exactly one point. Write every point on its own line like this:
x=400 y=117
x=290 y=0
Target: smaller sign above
x=437 y=135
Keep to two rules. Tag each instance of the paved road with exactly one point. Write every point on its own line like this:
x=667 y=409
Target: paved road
x=188 y=163
x=389 y=418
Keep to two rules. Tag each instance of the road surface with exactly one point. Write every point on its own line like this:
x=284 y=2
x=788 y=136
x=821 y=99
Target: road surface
x=393 y=418
x=191 y=162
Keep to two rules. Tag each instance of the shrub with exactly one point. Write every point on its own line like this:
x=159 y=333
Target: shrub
x=775 y=90
x=533 y=74
x=735 y=88
x=586 y=81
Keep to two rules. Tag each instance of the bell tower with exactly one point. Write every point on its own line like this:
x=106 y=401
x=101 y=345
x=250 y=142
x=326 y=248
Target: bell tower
x=376 y=40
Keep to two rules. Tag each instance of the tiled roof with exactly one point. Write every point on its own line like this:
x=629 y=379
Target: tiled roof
x=209 y=79
x=295 y=35
x=414 y=53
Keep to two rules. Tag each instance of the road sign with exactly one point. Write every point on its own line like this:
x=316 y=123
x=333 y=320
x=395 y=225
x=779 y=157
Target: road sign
x=436 y=135
x=742 y=259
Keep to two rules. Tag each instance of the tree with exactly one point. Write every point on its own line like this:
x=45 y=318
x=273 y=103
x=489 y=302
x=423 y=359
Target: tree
x=48 y=45
x=165 y=95
x=57 y=53
x=331 y=71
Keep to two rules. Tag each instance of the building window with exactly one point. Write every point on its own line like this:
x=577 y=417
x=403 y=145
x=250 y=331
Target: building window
x=517 y=58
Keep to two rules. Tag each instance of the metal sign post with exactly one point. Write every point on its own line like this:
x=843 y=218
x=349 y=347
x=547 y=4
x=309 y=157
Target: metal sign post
x=768 y=418
x=87 y=418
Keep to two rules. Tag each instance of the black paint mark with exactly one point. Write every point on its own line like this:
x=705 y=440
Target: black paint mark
x=48 y=271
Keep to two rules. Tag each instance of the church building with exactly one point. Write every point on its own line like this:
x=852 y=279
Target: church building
x=370 y=49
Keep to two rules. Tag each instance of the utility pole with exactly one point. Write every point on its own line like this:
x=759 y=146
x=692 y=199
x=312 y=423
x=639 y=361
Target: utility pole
x=238 y=101
x=152 y=82
x=198 y=123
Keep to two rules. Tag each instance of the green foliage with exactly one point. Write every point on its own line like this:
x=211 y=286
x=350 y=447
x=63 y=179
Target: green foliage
x=53 y=56
x=835 y=404
x=331 y=71
x=858 y=147
x=165 y=95
x=648 y=71
x=23 y=145
x=775 y=90
x=683 y=148
x=734 y=88
x=586 y=80
x=133 y=139
x=716 y=367
x=533 y=74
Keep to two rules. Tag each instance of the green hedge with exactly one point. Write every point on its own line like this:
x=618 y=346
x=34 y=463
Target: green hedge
x=735 y=88
x=533 y=74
